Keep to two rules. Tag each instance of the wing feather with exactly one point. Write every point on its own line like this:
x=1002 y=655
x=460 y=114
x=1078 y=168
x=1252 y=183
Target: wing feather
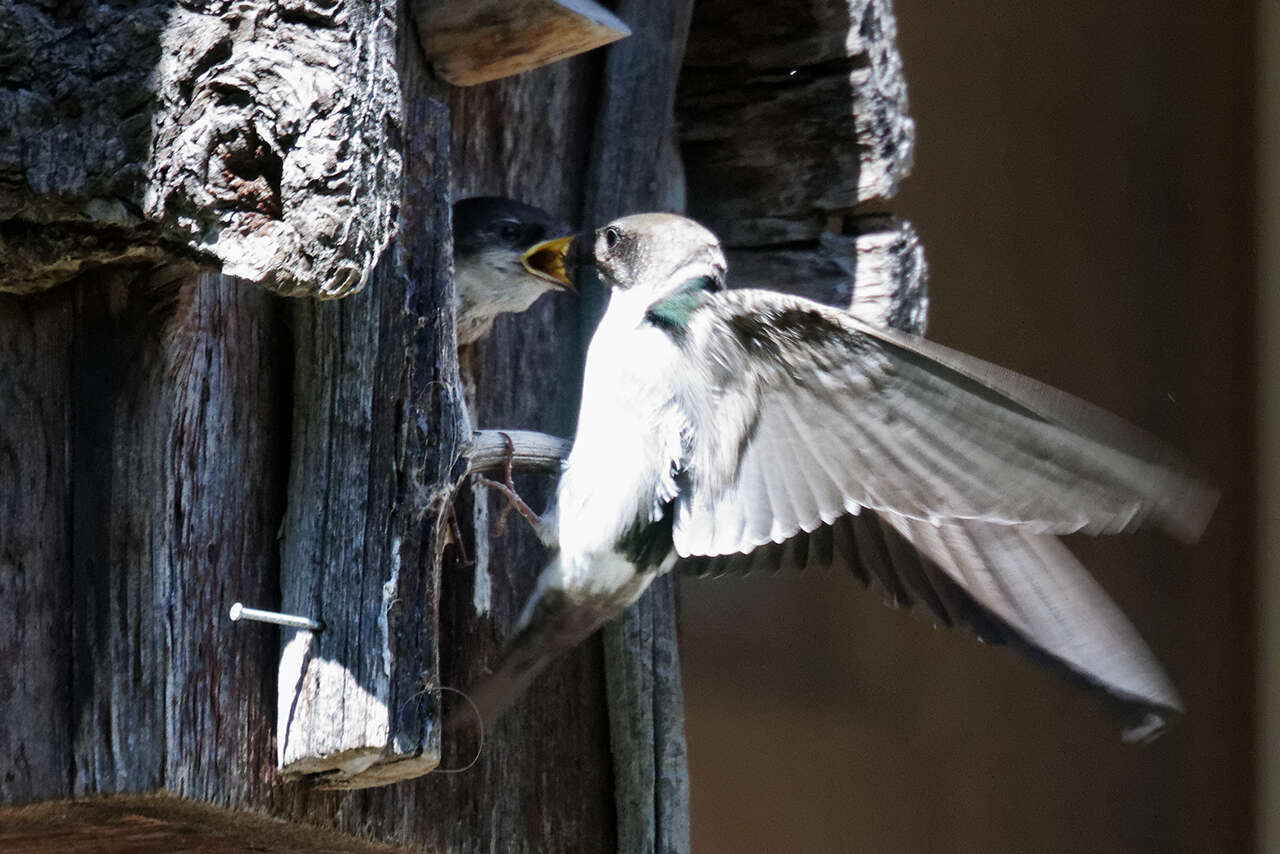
x=1004 y=584
x=798 y=411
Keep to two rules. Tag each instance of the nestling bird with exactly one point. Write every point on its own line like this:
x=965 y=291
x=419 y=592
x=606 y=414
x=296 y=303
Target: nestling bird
x=490 y=236
x=728 y=430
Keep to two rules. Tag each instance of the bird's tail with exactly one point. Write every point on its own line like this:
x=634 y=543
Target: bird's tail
x=552 y=624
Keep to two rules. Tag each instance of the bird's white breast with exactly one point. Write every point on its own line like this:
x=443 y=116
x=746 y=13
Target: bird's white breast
x=628 y=435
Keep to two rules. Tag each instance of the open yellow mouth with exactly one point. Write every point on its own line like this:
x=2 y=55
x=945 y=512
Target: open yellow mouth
x=546 y=261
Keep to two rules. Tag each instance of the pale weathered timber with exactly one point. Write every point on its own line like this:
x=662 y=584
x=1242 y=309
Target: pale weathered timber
x=878 y=271
x=35 y=584
x=476 y=41
x=790 y=111
x=247 y=136
x=377 y=434
x=633 y=169
x=175 y=409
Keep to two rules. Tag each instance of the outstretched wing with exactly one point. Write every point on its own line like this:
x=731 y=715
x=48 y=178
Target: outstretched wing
x=799 y=413
x=1005 y=585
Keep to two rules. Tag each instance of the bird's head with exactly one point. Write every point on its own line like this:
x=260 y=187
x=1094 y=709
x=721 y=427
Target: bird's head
x=653 y=251
x=491 y=235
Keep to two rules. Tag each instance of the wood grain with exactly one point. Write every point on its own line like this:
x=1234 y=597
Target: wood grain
x=633 y=169
x=35 y=584
x=789 y=112
x=161 y=825
x=377 y=421
x=176 y=410
x=476 y=41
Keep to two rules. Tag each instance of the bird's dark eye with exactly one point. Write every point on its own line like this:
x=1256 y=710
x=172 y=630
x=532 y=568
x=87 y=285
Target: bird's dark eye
x=509 y=230
x=611 y=237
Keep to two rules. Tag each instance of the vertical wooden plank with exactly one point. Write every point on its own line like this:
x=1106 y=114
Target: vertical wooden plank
x=223 y=496
x=542 y=782
x=377 y=432
x=117 y=664
x=633 y=169
x=177 y=466
x=35 y=590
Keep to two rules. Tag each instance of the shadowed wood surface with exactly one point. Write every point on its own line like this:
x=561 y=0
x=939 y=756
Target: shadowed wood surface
x=161 y=825
x=35 y=583
x=789 y=111
x=175 y=409
x=874 y=266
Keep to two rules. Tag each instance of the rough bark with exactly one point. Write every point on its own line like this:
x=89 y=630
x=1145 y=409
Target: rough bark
x=250 y=136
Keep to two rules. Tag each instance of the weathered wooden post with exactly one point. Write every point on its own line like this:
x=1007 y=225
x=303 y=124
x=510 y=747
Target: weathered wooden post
x=176 y=437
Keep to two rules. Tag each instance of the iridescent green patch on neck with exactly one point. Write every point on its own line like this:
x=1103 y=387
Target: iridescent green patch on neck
x=673 y=311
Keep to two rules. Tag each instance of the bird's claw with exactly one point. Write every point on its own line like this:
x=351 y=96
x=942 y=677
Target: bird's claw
x=514 y=501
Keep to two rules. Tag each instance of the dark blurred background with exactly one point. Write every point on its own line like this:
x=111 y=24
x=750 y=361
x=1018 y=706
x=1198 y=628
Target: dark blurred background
x=1084 y=186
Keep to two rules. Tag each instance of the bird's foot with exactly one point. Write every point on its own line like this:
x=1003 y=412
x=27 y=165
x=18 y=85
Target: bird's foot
x=508 y=488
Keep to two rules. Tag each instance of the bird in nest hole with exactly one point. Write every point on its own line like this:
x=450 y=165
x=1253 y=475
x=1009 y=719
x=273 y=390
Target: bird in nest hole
x=490 y=237
x=724 y=431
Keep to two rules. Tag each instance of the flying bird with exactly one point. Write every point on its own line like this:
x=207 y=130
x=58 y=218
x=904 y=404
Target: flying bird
x=728 y=430
x=490 y=237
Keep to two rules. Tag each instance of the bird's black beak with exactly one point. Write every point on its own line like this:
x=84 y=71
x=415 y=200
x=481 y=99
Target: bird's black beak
x=546 y=260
